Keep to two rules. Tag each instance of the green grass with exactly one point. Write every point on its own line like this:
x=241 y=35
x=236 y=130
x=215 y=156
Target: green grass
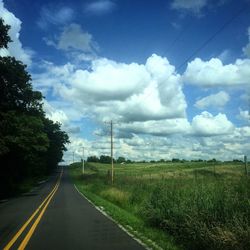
x=199 y=205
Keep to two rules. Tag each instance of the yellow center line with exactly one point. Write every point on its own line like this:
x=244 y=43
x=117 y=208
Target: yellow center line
x=16 y=236
x=33 y=228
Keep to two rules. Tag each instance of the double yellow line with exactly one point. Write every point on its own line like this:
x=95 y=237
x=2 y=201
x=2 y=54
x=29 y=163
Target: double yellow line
x=42 y=208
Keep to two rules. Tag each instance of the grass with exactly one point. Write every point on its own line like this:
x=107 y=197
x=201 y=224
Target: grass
x=199 y=205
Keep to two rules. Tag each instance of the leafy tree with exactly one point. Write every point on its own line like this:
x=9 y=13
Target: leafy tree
x=57 y=139
x=30 y=144
x=105 y=159
x=24 y=149
x=16 y=91
x=121 y=159
x=93 y=159
x=175 y=160
x=4 y=37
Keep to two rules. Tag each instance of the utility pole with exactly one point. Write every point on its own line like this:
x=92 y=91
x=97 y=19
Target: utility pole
x=73 y=156
x=245 y=161
x=112 y=163
x=111 y=150
x=82 y=160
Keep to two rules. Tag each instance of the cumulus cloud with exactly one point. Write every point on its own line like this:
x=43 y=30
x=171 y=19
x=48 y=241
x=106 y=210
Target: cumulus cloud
x=213 y=73
x=158 y=128
x=100 y=7
x=206 y=124
x=194 y=6
x=217 y=100
x=15 y=48
x=55 y=15
x=246 y=49
x=125 y=92
x=147 y=147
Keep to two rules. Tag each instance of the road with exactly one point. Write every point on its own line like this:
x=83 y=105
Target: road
x=65 y=220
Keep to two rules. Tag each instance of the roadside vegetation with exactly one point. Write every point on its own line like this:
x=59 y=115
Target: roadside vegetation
x=31 y=145
x=201 y=205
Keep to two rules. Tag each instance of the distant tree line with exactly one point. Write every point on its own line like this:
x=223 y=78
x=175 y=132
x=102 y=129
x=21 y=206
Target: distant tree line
x=107 y=159
x=31 y=145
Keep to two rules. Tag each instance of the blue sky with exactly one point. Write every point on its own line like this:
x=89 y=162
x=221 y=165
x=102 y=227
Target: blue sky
x=141 y=64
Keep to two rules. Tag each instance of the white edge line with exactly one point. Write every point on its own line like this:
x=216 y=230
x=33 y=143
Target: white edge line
x=119 y=225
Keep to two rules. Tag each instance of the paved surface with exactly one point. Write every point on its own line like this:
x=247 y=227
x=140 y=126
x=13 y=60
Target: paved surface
x=69 y=222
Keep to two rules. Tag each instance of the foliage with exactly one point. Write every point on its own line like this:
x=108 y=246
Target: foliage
x=120 y=159
x=30 y=145
x=93 y=159
x=4 y=37
x=105 y=159
x=57 y=139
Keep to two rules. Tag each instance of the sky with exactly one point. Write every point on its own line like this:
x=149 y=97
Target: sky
x=173 y=76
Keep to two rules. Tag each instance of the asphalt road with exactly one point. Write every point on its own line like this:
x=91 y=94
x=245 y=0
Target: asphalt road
x=66 y=220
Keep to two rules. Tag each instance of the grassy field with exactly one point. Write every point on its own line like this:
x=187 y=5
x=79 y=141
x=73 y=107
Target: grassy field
x=191 y=205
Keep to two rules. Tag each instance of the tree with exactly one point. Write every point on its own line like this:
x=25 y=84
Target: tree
x=93 y=159
x=4 y=37
x=105 y=159
x=30 y=144
x=175 y=160
x=57 y=139
x=121 y=159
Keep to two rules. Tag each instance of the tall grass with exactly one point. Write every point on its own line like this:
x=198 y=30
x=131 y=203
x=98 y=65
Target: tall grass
x=202 y=207
x=202 y=214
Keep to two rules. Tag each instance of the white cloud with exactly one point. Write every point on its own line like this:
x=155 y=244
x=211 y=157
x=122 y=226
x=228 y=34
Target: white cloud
x=158 y=128
x=100 y=7
x=56 y=115
x=194 y=6
x=225 y=55
x=147 y=147
x=15 y=48
x=246 y=49
x=125 y=92
x=206 y=124
x=55 y=15
x=52 y=77
x=244 y=131
x=213 y=73
x=74 y=39
x=244 y=115
x=217 y=100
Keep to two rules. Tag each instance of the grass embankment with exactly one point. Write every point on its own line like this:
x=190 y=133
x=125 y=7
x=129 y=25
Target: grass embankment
x=201 y=205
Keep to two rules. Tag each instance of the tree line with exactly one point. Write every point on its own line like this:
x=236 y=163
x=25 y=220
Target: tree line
x=31 y=145
x=107 y=159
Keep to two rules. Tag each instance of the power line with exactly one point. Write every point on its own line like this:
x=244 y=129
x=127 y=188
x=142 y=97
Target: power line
x=205 y=43
x=212 y=37
x=178 y=37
